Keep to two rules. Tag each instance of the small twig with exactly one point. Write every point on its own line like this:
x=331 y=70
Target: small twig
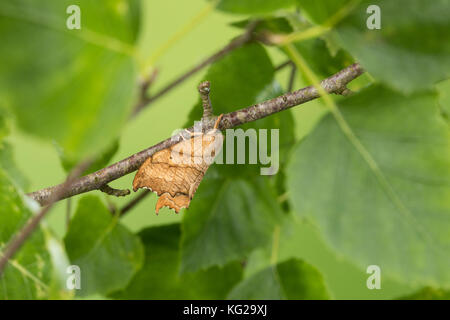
x=345 y=92
x=114 y=192
x=111 y=206
x=204 y=89
x=283 y=65
x=143 y=91
x=147 y=82
x=292 y=77
x=95 y=180
x=246 y=37
x=17 y=241
x=134 y=202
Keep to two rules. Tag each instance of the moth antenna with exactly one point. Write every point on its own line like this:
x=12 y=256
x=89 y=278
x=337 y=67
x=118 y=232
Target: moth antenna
x=216 y=125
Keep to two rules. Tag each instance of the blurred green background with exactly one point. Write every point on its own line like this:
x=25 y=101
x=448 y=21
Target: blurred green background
x=161 y=20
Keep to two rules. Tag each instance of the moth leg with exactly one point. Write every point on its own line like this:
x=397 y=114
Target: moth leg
x=183 y=134
x=191 y=134
x=216 y=125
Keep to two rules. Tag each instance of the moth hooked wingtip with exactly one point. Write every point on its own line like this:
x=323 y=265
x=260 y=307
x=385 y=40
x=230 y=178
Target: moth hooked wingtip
x=136 y=185
x=175 y=203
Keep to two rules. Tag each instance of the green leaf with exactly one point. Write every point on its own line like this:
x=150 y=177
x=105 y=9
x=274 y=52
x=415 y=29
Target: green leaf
x=30 y=273
x=319 y=58
x=101 y=159
x=227 y=220
x=253 y=6
x=411 y=50
x=7 y=163
x=320 y=11
x=73 y=86
x=159 y=278
x=344 y=280
x=428 y=293
x=292 y=279
x=7 y=157
x=106 y=252
x=396 y=215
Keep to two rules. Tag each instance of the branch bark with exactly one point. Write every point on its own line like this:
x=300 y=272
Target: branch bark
x=334 y=84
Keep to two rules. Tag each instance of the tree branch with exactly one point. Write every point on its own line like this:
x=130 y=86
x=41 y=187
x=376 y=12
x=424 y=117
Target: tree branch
x=334 y=84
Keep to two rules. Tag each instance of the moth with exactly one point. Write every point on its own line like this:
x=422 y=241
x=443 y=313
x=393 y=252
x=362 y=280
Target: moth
x=175 y=173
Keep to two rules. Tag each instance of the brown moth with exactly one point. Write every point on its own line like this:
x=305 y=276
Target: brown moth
x=175 y=173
